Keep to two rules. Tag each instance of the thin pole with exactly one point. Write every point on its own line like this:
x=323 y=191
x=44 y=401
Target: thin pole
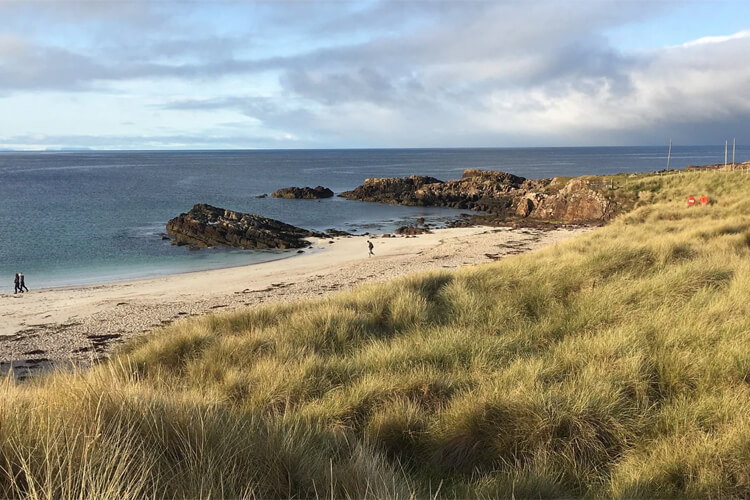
x=726 y=148
x=669 y=155
x=734 y=148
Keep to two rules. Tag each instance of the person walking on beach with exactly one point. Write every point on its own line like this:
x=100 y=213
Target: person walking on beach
x=22 y=286
x=17 y=281
x=370 y=247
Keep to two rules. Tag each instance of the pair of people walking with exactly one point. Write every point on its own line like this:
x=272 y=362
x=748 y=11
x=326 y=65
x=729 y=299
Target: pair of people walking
x=20 y=283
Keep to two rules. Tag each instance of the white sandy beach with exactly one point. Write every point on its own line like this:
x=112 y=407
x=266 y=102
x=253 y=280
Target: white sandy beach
x=82 y=324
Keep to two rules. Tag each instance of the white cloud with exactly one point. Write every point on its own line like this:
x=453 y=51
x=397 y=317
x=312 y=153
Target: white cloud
x=380 y=74
x=716 y=39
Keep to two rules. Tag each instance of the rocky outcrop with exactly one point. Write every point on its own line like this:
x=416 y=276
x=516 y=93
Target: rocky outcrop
x=503 y=195
x=337 y=232
x=577 y=201
x=395 y=190
x=304 y=193
x=412 y=230
x=206 y=226
x=477 y=189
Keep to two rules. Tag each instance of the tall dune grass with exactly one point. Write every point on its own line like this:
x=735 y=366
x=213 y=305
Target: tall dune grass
x=613 y=365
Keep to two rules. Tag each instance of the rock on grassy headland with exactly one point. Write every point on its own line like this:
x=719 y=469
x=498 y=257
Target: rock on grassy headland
x=207 y=226
x=304 y=193
x=503 y=195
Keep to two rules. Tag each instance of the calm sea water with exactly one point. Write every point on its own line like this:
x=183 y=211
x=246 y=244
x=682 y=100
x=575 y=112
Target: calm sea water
x=81 y=217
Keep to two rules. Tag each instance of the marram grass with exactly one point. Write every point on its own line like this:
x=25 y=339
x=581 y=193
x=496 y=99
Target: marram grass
x=614 y=365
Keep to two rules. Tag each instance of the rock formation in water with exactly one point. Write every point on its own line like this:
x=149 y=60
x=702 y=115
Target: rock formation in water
x=501 y=194
x=394 y=190
x=206 y=226
x=304 y=193
x=412 y=230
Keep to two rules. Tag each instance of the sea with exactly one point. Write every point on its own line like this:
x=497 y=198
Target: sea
x=73 y=218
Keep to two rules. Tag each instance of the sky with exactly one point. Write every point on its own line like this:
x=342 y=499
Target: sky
x=140 y=74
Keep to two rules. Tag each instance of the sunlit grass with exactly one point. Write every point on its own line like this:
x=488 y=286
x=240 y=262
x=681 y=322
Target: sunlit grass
x=616 y=364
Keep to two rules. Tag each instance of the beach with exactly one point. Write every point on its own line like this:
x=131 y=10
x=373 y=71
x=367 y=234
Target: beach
x=78 y=326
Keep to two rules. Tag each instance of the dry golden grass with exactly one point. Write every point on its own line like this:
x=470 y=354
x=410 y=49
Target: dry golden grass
x=614 y=365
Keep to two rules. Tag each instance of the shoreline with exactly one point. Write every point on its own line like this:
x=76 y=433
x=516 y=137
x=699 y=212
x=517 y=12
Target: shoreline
x=80 y=325
x=116 y=281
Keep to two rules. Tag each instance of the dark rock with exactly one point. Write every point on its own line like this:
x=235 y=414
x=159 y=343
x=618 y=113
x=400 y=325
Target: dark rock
x=412 y=230
x=477 y=189
x=264 y=195
x=505 y=196
x=394 y=190
x=206 y=226
x=305 y=193
x=337 y=232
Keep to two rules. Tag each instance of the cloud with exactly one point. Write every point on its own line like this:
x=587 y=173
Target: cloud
x=152 y=141
x=716 y=39
x=83 y=11
x=360 y=84
x=24 y=65
x=482 y=37
x=392 y=73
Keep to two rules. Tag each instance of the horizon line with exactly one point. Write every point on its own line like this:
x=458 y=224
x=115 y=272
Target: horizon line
x=374 y=148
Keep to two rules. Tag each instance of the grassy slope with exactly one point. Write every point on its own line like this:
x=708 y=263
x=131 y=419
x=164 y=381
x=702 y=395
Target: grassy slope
x=616 y=364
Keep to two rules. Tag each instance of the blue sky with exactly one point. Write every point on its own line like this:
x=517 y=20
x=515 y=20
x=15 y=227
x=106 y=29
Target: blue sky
x=300 y=74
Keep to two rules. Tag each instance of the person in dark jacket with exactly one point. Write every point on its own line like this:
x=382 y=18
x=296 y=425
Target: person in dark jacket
x=17 y=281
x=22 y=286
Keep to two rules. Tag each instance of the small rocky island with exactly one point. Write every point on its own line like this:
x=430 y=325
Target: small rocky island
x=303 y=193
x=207 y=226
x=505 y=196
